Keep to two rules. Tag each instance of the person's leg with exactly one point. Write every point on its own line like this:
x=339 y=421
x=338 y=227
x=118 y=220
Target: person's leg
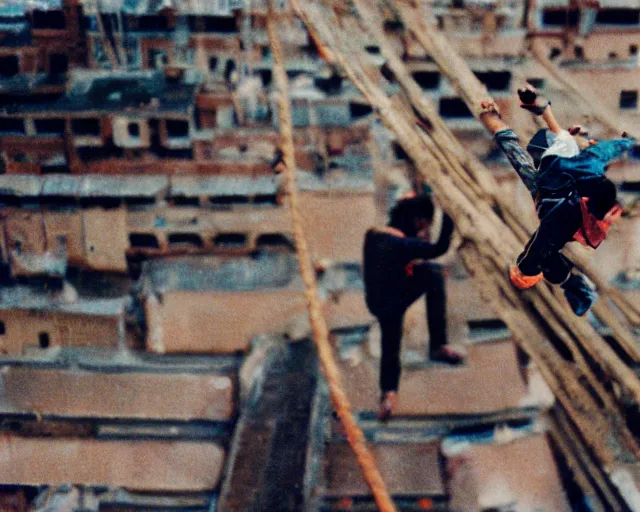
x=391 y=337
x=556 y=268
x=391 y=333
x=436 y=305
x=430 y=279
x=557 y=227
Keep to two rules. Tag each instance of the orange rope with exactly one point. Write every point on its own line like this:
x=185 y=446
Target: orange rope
x=339 y=398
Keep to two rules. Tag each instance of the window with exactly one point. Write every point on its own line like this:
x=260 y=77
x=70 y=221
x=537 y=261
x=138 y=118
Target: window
x=399 y=152
x=373 y=49
x=223 y=24
x=136 y=201
x=266 y=76
x=185 y=201
x=495 y=80
x=43 y=340
x=454 y=108
x=9 y=66
x=618 y=16
x=358 y=110
x=133 y=129
x=578 y=51
x=229 y=68
x=555 y=52
x=92 y=154
x=230 y=240
x=50 y=19
x=12 y=126
x=560 y=17
x=49 y=126
x=628 y=99
x=213 y=63
x=613 y=55
x=3 y=329
x=393 y=26
x=427 y=79
x=85 y=126
x=265 y=199
x=228 y=200
x=143 y=241
x=178 y=154
x=185 y=240
x=633 y=50
x=274 y=241
x=149 y=23
x=58 y=63
x=55 y=169
x=177 y=128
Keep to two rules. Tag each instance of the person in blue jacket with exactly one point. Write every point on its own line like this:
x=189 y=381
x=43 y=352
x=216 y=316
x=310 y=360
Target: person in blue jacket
x=574 y=198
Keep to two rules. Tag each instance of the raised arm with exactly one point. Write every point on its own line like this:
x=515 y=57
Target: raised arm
x=415 y=248
x=532 y=101
x=508 y=142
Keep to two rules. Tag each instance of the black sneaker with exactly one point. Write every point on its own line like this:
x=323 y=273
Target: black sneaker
x=579 y=294
x=448 y=355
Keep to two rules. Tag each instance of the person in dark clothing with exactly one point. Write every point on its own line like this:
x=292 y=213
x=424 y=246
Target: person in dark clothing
x=574 y=199
x=397 y=273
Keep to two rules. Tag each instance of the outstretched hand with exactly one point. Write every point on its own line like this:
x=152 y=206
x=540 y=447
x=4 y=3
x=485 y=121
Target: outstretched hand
x=530 y=100
x=489 y=107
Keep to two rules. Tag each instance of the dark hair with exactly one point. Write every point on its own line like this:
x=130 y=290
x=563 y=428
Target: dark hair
x=406 y=211
x=538 y=144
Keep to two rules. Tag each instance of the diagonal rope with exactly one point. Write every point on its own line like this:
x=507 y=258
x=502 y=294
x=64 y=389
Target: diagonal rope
x=339 y=398
x=485 y=253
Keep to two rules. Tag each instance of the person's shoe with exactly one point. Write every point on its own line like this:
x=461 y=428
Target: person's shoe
x=387 y=403
x=447 y=354
x=519 y=280
x=579 y=294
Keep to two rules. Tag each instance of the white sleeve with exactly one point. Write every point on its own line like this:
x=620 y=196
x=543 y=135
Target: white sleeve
x=564 y=145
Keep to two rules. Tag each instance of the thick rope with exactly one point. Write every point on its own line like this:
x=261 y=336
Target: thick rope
x=484 y=252
x=339 y=398
x=473 y=92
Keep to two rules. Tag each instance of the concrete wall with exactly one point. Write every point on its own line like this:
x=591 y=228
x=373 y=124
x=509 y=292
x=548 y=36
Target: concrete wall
x=24 y=328
x=176 y=466
x=144 y=395
x=520 y=475
x=336 y=223
x=219 y=323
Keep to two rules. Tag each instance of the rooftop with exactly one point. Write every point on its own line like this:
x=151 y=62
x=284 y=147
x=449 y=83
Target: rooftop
x=143 y=92
x=210 y=273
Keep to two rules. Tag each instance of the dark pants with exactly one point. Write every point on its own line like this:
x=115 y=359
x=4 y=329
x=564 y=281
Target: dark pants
x=559 y=220
x=428 y=279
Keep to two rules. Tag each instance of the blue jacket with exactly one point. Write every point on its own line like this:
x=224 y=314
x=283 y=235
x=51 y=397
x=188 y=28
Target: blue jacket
x=558 y=173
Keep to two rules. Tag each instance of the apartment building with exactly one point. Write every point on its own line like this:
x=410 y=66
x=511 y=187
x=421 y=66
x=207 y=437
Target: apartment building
x=154 y=341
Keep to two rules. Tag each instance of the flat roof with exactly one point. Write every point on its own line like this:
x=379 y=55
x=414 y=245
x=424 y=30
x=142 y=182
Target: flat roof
x=211 y=273
x=82 y=186
x=25 y=298
x=139 y=93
